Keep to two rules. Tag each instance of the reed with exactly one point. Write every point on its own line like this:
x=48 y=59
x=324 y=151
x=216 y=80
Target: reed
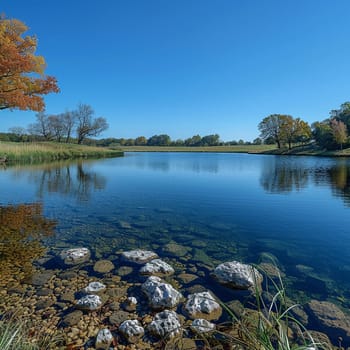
x=15 y=335
x=49 y=151
x=265 y=326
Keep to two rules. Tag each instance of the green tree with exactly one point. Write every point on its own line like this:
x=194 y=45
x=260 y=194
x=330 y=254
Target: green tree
x=272 y=126
x=294 y=130
x=257 y=141
x=140 y=141
x=159 y=140
x=130 y=142
x=303 y=131
x=210 y=140
x=323 y=135
x=195 y=140
x=179 y=142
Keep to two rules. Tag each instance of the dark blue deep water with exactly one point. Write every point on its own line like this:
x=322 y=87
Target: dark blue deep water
x=221 y=207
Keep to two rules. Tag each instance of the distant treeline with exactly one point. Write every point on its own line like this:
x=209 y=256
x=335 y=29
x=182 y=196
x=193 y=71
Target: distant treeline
x=165 y=140
x=19 y=135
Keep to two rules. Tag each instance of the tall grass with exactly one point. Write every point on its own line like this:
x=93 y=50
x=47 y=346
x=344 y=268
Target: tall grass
x=48 y=151
x=15 y=335
x=268 y=325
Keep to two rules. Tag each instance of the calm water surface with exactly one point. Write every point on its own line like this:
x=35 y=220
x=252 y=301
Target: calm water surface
x=220 y=206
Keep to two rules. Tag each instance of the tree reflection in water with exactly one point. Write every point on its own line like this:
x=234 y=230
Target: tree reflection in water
x=282 y=175
x=22 y=228
x=339 y=177
x=72 y=179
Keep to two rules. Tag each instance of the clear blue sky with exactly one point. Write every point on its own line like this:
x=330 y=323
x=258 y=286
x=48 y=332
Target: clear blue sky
x=186 y=67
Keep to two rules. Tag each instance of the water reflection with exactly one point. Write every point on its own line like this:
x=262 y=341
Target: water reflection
x=339 y=178
x=290 y=174
x=164 y=162
x=70 y=179
x=282 y=175
x=22 y=228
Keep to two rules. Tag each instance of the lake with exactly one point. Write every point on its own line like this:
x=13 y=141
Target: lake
x=214 y=207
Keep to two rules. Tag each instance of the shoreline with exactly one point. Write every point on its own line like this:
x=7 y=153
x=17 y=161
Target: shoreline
x=248 y=149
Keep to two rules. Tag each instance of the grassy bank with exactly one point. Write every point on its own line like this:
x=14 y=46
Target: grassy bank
x=49 y=151
x=308 y=150
x=213 y=149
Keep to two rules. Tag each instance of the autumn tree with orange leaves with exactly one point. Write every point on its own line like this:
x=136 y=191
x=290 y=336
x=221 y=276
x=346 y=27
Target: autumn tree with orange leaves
x=22 y=79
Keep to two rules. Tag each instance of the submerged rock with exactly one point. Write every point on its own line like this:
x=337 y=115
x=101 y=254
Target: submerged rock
x=160 y=294
x=118 y=317
x=186 y=278
x=95 y=288
x=165 y=324
x=200 y=325
x=104 y=339
x=139 y=256
x=132 y=330
x=41 y=278
x=202 y=305
x=176 y=249
x=237 y=275
x=130 y=304
x=157 y=267
x=72 y=318
x=271 y=270
x=89 y=302
x=103 y=266
x=75 y=256
x=332 y=320
x=124 y=270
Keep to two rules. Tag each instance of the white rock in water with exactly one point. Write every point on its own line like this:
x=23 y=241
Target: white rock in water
x=89 y=302
x=203 y=305
x=130 y=304
x=104 y=339
x=160 y=294
x=95 y=288
x=75 y=255
x=157 y=267
x=200 y=325
x=132 y=300
x=165 y=324
x=139 y=256
x=237 y=275
x=132 y=330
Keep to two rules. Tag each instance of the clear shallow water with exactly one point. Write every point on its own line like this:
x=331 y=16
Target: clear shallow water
x=221 y=206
